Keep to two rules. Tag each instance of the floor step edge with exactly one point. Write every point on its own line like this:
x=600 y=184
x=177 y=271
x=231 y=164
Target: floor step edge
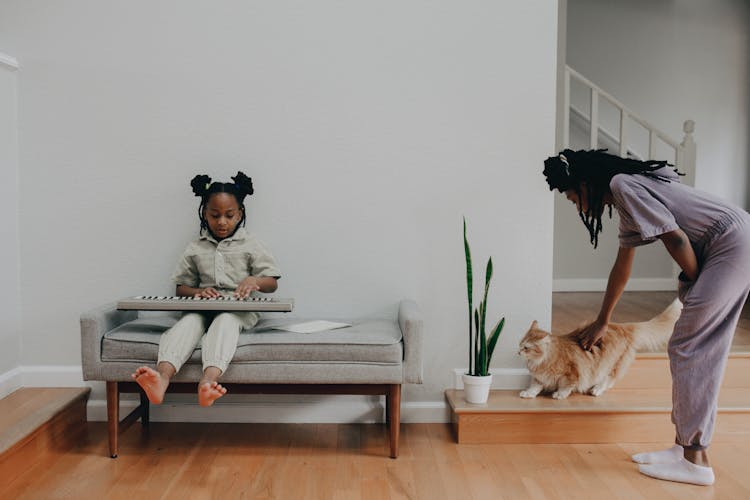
x=20 y=432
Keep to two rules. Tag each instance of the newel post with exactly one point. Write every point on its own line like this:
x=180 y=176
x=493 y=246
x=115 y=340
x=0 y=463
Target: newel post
x=687 y=153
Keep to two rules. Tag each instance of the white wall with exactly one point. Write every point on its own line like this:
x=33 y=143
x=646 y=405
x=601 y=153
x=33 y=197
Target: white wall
x=369 y=129
x=668 y=62
x=10 y=335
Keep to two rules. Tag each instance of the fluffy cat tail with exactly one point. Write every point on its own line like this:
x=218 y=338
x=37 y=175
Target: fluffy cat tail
x=654 y=334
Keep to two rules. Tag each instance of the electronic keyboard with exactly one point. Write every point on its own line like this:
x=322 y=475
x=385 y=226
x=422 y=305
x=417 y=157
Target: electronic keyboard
x=223 y=303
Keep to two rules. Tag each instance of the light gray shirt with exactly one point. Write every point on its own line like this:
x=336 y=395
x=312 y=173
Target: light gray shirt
x=224 y=264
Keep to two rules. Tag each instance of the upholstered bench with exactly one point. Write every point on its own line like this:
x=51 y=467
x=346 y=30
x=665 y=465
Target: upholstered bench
x=373 y=356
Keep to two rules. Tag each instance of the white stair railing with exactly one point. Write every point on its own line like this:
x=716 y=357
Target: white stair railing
x=8 y=62
x=684 y=152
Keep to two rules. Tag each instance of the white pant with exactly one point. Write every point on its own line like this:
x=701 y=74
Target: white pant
x=218 y=344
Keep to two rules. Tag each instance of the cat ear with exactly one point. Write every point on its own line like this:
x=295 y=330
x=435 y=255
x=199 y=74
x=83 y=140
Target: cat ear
x=534 y=325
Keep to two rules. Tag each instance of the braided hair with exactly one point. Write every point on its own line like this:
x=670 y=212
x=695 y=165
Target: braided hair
x=595 y=168
x=203 y=187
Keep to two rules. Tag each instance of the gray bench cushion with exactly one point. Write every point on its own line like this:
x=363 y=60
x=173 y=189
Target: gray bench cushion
x=367 y=341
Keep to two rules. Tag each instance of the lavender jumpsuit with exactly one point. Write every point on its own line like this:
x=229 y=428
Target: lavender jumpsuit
x=720 y=236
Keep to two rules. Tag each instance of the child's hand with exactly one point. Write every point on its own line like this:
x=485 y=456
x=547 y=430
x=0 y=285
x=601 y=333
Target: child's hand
x=207 y=293
x=248 y=285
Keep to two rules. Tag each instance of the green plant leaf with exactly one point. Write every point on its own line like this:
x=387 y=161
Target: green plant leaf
x=482 y=346
x=493 y=339
x=487 y=276
x=475 y=368
x=484 y=358
x=469 y=289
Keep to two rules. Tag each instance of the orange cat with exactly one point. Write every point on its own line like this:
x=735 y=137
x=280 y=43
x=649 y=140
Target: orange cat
x=560 y=364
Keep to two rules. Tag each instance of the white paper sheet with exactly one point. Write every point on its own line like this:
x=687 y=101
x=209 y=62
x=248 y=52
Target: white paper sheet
x=312 y=326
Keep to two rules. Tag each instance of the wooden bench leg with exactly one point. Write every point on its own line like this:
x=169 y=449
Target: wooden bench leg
x=393 y=409
x=113 y=416
x=387 y=410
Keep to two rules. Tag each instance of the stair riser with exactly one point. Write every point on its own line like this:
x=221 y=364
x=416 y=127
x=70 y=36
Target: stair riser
x=654 y=372
x=58 y=434
x=594 y=428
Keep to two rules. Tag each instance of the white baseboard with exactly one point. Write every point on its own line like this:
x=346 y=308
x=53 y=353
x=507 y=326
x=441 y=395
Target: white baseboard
x=42 y=376
x=10 y=381
x=502 y=378
x=53 y=376
x=600 y=285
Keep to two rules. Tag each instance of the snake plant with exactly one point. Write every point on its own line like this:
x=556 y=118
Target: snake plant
x=481 y=346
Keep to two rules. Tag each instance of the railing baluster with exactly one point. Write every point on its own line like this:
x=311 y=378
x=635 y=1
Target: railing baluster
x=651 y=144
x=685 y=152
x=594 y=142
x=566 y=112
x=688 y=149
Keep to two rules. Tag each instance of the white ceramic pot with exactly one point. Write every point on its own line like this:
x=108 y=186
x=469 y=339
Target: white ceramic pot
x=477 y=389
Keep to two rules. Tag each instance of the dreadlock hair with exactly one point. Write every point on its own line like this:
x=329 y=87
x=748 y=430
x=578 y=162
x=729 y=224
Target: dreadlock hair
x=203 y=187
x=595 y=168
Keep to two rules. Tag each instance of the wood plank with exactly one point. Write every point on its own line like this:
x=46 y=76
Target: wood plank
x=650 y=400
x=347 y=480
x=25 y=410
x=543 y=473
x=260 y=461
x=618 y=416
x=541 y=428
x=65 y=414
x=372 y=463
x=614 y=475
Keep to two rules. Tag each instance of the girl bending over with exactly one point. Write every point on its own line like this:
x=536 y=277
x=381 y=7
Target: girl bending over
x=710 y=240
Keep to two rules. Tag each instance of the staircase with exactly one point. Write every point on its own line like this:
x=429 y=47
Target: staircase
x=591 y=118
x=33 y=420
x=636 y=410
x=628 y=125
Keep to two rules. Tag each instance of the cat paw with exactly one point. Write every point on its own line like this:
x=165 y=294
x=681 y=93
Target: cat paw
x=560 y=394
x=527 y=394
x=597 y=390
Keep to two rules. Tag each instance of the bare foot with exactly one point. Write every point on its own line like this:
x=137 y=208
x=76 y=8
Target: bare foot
x=152 y=383
x=208 y=392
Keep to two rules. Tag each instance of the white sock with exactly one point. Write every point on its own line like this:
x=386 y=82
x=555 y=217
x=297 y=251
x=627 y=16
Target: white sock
x=681 y=471
x=667 y=456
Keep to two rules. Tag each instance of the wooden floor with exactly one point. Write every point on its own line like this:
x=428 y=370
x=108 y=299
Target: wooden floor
x=571 y=309
x=290 y=461
x=295 y=461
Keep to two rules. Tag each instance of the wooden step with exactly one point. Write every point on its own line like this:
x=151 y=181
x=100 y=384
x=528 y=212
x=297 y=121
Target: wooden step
x=36 y=420
x=651 y=370
x=618 y=416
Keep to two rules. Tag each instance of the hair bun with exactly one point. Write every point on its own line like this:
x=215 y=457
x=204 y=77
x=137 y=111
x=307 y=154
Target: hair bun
x=200 y=184
x=244 y=184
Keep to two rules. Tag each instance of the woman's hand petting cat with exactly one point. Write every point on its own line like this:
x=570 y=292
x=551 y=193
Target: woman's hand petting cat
x=592 y=335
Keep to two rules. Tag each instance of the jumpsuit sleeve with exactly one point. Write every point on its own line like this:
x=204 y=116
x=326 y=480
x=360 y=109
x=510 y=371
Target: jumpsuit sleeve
x=642 y=217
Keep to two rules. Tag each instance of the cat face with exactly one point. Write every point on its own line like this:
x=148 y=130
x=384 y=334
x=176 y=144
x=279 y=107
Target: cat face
x=533 y=345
